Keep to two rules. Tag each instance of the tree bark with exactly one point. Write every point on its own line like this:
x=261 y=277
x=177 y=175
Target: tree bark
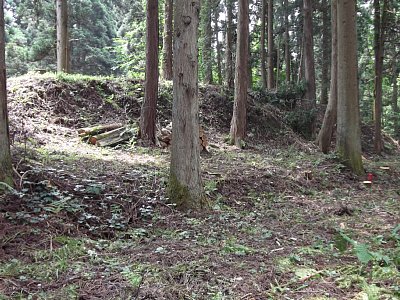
x=62 y=35
x=379 y=28
x=395 y=93
x=309 y=72
x=149 y=105
x=348 y=140
x=229 y=79
x=167 y=40
x=287 y=39
x=325 y=52
x=217 y=43
x=238 y=123
x=270 y=57
x=5 y=155
x=325 y=135
x=262 y=45
x=185 y=184
x=207 y=41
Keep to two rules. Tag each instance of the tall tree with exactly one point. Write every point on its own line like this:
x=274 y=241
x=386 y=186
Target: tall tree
x=62 y=36
x=5 y=156
x=229 y=78
x=206 y=30
x=379 y=40
x=262 y=45
x=167 y=40
x=325 y=52
x=270 y=57
x=348 y=140
x=309 y=71
x=148 y=111
x=185 y=184
x=287 y=39
x=395 y=94
x=217 y=43
x=325 y=134
x=238 y=123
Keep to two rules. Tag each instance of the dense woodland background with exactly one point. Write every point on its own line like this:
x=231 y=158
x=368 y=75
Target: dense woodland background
x=108 y=38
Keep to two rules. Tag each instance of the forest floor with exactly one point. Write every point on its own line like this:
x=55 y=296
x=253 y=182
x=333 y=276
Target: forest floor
x=285 y=221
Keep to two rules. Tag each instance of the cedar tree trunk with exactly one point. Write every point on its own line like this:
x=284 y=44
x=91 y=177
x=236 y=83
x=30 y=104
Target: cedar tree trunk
x=167 y=40
x=62 y=35
x=348 y=140
x=325 y=134
x=185 y=184
x=238 y=123
x=148 y=111
x=5 y=156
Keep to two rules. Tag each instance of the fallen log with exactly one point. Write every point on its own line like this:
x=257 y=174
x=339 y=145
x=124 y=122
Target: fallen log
x=98 y=129
x=116 y=133
x=114 y=140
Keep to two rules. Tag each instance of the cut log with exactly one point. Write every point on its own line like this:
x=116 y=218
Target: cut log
x=98 y=129
x=114 y=140
x=107 y=135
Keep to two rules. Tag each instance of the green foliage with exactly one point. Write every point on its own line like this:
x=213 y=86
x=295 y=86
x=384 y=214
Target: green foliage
x=300 y=121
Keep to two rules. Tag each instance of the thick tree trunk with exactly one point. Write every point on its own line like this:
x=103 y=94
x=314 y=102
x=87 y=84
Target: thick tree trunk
x=149 y=105
x=185 y=184
x=263 y=66
x=379 y=27
x=325 y=135
x=229 y=79
x=287 y=53
x=270 y=57
x=167 y=40
x=62 y=35
x=5 y=156
x=348 y=140
x=217 y=43
x=207 y=39
x=325 y=52
x=238 y=123
x=309 y=72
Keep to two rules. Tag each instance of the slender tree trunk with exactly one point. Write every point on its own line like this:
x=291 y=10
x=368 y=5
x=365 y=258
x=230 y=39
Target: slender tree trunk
x=207 y=41
x=270 y=57
x=300 y=70
x=379 y=27
x=238 y=123
x=148 y=111
x=325 y=135
x=309 y=72
x=348 y=140
x=5 y=155
x=278 y=58
x=395 y=94
x=167 y=40
x=217 y=43
x=62 y=35
x=325 y=52
x=185 y=184
x=262 y=45
x=250 y=65
x=229 y=45
x=287 y=39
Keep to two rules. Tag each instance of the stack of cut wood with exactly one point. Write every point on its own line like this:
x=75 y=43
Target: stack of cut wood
x=165 y=137
x=104 y=135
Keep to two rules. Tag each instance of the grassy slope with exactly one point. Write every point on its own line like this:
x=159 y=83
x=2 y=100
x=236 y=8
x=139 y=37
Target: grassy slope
x=94 y=223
